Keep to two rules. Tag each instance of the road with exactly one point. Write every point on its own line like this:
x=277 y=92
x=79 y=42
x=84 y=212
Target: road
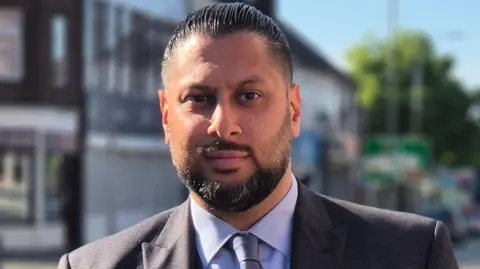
x=468 y=257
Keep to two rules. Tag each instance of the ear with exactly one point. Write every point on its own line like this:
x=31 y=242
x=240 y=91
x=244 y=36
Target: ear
x=295 y=108
x=162 y=96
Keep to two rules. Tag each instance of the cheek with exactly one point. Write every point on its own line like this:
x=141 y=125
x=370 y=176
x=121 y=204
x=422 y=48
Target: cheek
x=261 y=135
x=187 y=130
x=275 y=137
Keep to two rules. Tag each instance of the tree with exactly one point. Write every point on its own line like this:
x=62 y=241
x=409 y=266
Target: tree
x=446 y=104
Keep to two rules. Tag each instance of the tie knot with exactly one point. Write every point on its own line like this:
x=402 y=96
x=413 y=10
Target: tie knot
x=245 y=246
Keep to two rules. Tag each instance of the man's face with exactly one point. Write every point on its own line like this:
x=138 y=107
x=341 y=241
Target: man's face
x=229 y=116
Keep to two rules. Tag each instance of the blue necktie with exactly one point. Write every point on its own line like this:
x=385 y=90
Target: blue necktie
x=245 y=247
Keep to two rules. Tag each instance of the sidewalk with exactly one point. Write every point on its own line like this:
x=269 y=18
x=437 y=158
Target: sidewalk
x=28 y=265
x=29 y=261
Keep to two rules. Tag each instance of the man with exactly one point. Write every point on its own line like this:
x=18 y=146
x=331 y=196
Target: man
x=230 y=112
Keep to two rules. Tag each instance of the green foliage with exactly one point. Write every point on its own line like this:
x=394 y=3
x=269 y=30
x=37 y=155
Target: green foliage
x=446 y=103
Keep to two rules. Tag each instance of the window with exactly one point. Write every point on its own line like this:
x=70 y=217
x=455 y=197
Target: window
x=53 y=188
x=110 y=47
x=166 y=10
x=15 y=186
x=18 y=172
x=107 y=48
x=88 y=46
x=124 y=55
x=59 y=53
x=140 y=52
x=124 y=29
x=11 y=45
x=1 y=170
x=100 y=52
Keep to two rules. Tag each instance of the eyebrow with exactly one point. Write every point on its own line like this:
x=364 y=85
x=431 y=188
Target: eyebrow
x=252 y=80
x=199 y=86
x=202 y=87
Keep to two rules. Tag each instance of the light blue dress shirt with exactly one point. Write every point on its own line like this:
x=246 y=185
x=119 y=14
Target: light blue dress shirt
x=274 y=231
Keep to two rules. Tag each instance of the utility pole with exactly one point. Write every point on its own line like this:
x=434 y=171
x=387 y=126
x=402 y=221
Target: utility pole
x=417 y=89
x=416 y=96
x=391 y=85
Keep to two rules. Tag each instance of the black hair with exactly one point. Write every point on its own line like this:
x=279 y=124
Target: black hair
x=221 y=19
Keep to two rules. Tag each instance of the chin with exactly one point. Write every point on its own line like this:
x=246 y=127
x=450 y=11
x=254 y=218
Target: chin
x=232 y=208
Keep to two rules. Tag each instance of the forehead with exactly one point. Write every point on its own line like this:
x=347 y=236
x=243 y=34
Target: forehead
x=228 y=59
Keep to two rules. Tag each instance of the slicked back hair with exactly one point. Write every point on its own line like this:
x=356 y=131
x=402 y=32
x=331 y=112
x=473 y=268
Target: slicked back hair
x=218 y=20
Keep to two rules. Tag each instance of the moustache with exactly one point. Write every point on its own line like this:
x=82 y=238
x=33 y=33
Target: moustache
x=223 y=145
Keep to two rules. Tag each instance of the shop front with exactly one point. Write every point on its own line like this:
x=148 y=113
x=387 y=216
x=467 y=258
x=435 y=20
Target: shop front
x=32 y=188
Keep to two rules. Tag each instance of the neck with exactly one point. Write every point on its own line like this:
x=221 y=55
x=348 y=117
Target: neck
x=245 y=220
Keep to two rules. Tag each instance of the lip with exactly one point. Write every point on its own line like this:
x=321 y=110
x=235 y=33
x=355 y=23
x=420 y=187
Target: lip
x=226 y=159
x=226 y=154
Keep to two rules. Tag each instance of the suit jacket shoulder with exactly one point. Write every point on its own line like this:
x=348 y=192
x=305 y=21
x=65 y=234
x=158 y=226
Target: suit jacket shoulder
x=330 y=233
x=377 y=217
x=116 y=250
x=392 y=239
x=386 y=226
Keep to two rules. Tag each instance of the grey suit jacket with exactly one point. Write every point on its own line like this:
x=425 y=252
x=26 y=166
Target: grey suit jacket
x=327 y=234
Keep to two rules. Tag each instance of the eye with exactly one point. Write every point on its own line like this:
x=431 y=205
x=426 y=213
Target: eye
x=197 y=99
x=249 y=96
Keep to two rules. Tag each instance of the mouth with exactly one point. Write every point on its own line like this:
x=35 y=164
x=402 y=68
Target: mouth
x=226 y=159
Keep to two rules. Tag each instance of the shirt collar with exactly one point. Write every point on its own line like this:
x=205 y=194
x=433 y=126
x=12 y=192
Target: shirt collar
x=280 y=220
x=212 y=233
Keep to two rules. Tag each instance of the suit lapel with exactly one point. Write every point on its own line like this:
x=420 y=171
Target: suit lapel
x=315 y=242
x=175 y=247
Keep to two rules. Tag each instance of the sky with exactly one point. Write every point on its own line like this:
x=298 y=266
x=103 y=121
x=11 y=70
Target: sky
x=334 y=26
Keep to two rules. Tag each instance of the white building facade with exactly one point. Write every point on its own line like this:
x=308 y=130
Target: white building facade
x=329 y=122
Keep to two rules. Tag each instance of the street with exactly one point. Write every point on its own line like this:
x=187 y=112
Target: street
x=468 y=257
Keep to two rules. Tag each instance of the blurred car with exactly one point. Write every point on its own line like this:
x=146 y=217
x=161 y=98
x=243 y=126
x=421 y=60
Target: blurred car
x=473 y=220
x=460 y=231
x=474 y=226
x=454 y=220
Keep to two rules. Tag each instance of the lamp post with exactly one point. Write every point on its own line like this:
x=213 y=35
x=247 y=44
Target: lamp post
x=391 y=85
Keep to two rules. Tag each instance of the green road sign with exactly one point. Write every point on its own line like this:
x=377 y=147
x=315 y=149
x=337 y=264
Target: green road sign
x=386 y=159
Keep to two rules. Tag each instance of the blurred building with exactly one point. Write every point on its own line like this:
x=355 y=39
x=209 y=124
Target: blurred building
x=325 y=152
x=126 y=156
x=59 y=56
x=39 y=95
x=56 y=57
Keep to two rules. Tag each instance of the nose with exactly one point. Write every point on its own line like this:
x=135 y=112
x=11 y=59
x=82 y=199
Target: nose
x=224 y=123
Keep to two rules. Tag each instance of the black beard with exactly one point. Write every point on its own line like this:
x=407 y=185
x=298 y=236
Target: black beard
x=241 y=197
x=248 y=193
